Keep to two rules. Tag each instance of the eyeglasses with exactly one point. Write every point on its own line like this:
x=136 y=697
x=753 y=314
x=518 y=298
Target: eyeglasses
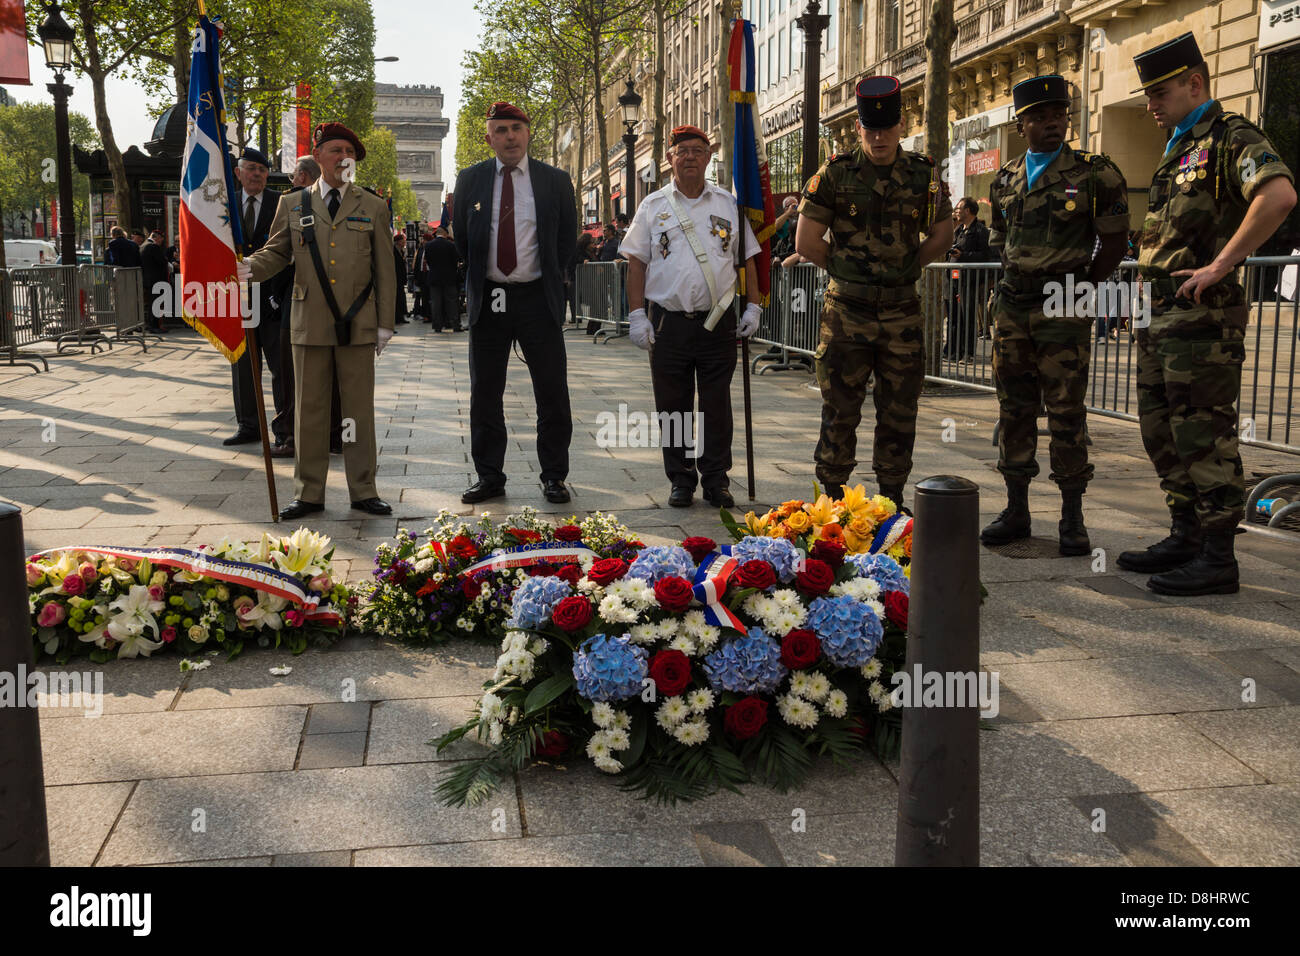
x=690 y=152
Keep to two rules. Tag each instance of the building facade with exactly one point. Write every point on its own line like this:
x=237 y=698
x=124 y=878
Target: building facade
x=414 y=114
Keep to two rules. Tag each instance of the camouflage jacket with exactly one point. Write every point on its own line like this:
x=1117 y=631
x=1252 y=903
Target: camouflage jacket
x=1199 y=196
x=876 y=222
x=1051 y=230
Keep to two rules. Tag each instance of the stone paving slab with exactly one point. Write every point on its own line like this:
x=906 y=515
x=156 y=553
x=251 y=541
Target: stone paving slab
x=303 y=811
x=129 y=686
x=1266 y=740
x=143 y=746
x=400 y=730
x=1236 y=826
x=674 y=846
x=80 y=817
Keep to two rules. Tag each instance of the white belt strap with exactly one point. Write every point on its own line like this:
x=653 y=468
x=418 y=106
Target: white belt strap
x=701 y=257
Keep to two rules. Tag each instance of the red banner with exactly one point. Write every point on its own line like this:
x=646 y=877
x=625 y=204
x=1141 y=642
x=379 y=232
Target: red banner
x=981 y=164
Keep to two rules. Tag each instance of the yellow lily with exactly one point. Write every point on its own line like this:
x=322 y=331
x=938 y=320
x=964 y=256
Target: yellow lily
x=854 y=500
x=822 y=512
x=758 y=526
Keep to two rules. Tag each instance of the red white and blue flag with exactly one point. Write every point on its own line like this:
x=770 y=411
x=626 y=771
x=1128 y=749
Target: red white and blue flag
x=210 y=225
x=749 y=171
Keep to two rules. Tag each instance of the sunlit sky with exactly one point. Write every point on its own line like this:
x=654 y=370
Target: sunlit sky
x=428 y=38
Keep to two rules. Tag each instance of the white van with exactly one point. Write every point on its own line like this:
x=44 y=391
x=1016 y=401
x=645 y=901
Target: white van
x=22 y=253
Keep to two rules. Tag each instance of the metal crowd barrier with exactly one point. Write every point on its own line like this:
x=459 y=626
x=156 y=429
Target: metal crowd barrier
x=600 y=298
x=791 y=322
x=71 y=307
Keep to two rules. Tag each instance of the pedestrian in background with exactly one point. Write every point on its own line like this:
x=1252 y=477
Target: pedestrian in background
x=970 y=243
x=440 y=261
x=399 y=273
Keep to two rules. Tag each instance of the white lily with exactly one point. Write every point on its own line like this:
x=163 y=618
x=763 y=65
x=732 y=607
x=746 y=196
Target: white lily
x=304 y=554
x=135 y=615
x=266 y=612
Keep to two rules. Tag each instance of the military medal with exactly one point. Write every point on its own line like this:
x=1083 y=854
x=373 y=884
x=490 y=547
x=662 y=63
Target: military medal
x=853 y=209
x=663 y=245
x=916 y=214
x=1070 y=193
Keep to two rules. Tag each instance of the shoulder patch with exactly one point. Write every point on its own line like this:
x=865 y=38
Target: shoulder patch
x=814 y=182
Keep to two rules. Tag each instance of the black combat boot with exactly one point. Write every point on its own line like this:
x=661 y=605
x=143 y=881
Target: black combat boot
x=1183 y=544
x=1213 y=571
x=895 y=494
x=1013 y=523
x=1073 y=535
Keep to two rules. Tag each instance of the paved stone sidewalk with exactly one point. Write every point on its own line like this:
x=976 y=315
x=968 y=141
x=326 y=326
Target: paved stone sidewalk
x=1112 y=698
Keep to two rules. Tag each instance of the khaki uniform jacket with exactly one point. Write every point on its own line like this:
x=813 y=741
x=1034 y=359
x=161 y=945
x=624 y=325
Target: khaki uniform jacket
x=354 y=248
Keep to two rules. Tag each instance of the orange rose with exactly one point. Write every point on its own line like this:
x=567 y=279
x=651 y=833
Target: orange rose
x=799 y=522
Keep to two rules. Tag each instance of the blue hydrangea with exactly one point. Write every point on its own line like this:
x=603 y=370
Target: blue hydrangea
x=780 y=553
x=654 y=564
x=746 y=665
x=849 y=630
x=609 y=668
x=535 y=599
x=882 y=569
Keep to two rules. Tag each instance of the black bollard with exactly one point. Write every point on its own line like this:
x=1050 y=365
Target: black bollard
x=939 y=782
x=24 y=832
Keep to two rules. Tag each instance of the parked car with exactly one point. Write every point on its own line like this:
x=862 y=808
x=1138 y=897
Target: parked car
x=23 y=253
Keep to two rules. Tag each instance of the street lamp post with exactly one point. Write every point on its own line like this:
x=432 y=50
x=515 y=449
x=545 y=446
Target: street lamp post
x=57 y=36
x=630 y=102
x=812 y=23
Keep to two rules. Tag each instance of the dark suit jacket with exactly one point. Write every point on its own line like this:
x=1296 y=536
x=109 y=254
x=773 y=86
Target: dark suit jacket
x=262 y=232
x=971 y=243
x=122 y=252
x=557 y=229
x=153 y=261
x=440 y=260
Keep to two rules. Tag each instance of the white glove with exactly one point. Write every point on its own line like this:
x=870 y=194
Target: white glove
x=748 y=324
x=641 y=332
x=382 y=337
x=244 y=271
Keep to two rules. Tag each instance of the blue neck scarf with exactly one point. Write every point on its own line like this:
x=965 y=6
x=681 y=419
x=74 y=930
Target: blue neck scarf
x=1190 y=120
x=1035 y=163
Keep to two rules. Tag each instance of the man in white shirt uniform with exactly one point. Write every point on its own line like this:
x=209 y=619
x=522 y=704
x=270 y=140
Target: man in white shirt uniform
x=684 y=314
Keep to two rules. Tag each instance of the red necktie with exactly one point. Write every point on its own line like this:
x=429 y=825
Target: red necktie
x=506 y=223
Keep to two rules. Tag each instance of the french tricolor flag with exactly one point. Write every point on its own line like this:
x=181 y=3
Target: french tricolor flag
x=210 y=224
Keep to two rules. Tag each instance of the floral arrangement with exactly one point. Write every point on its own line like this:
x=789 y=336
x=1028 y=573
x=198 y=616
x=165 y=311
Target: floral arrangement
x=695 y=667
x=854 y=522
x=447 y=583
x=129 y=602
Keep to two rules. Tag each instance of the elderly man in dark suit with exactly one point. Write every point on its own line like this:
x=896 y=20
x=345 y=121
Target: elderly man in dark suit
x=257 y=212
x=122 y=251
x=515 y=226
x=157 y=281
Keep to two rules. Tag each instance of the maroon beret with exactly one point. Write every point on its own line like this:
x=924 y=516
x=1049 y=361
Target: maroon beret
x=328 y=131
x=507 y=111
x=680 y=133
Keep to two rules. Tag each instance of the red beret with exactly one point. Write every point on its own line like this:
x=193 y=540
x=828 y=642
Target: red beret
x=686 y=132
x=505 y=111
x=328 y=131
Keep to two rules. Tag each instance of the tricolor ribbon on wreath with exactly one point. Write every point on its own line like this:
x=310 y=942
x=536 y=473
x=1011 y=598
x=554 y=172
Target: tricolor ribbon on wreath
x=259 y=577
x=890 y=532
x=526 y=555
x=710 y=584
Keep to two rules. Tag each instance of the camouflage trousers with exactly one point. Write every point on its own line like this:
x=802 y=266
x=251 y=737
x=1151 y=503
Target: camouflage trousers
x=857 y=341
x=1041 y=362
x=1187 y=393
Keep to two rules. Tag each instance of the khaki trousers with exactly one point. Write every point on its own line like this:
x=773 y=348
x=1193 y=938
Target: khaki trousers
x=313 y=370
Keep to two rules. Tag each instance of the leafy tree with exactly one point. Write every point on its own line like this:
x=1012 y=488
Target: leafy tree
x=28 y=178
x=379 y=171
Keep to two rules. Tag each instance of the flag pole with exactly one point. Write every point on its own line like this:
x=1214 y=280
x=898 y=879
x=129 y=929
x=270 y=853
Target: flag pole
x=744 y=340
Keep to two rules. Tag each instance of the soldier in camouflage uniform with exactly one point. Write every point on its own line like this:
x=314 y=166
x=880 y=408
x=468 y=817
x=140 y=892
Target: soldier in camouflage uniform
x=1219 y=192
x=1049 y=208
x=877 y=201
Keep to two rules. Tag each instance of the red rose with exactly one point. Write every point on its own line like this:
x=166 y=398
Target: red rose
x=463 y=547
x=471 y=587
x=700 y=547
x=568 y=532
x=606 y=570
x=816 y=577
x=570 y=573
x=673 y=594
x=74 y=584
x=541 y=571
x=553 y=744
x=756 y=574
x=745 y=718
x=830 y=552
x=800 y=649
x=671 y=672
x=896 y=608
x=572 y=614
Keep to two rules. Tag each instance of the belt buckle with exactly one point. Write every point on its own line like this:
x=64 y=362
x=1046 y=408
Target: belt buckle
x=307 y=221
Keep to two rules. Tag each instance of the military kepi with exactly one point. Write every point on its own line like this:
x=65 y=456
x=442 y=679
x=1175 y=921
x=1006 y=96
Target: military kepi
x=880 y=104
x=1048 y=89
x=1167 y=61
x=507 y=111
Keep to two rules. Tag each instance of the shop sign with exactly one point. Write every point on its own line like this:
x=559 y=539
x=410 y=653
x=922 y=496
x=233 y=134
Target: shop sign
x=981 y=164
x=1279 y=22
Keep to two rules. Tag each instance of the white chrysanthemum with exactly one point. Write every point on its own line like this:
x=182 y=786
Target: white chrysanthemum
x=707 y=638
x=692 y=732
x=608 y=765
x=797 y=712
x=464 y=624
x=614 y=611
x=538 y=646
x=877 y=608
x=643 y=594
x=682 y=643
x=602 y=715
x=879 y=695
x=618 y=739
x=700 y=700
x=759 y=604
x=514 y=641
x=672 y=712
x=786 y=597
x=598 y=745
x=589 y=587
x=693 y=623
x=643 y=633
x=668 y=628
x=494 y=733
x=837 y=703
x=491 y=707
x=785 y=621
x=871 y=669
x=622 y=721
x=424 y=566
x=819 y=685
x=860 y=589
x=799 y=684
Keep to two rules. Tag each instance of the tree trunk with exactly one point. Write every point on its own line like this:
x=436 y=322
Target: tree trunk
x=582 y=156
x=182 y=42
x=94 y=70
x=938 y=41
x=657 y=156
x=602 y=137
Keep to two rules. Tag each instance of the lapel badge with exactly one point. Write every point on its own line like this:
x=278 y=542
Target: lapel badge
x=478 y=206
x=916 y=214
x=853 y=209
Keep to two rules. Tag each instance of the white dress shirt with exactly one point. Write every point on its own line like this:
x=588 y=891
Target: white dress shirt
x=528 y=260
x=674 y=279
x=324 y=188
